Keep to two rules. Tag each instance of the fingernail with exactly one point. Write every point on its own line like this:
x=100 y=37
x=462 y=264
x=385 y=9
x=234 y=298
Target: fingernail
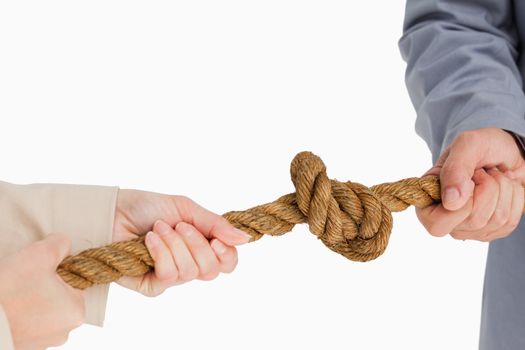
x=152 y=239
x=185 y=229
x=451 y=194
x=161 y=227
x=242 y=234
x=218 y=247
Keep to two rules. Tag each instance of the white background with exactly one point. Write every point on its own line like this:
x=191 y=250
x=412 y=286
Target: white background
x=212 y=99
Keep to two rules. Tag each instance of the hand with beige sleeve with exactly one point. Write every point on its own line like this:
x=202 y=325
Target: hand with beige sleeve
x=185 y=241
x=481 y=174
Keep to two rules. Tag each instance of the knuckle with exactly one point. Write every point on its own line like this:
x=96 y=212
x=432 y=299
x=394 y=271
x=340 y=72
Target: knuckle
x=183 y=204
x=486 y=238
x=193 y=274
x=189 y=274
x=184 y=226
x=209 y=276
x=421 y=214
x=229 y=267
x=170 y=276
x=491 y=236
x=503 y=234
x=476 y=222
x=209 y=273
x=153 y=292
x=197 y=244
x=174 y=239
x=460 y=235
x=500 y=217
x=513 y=222
x=435 y=229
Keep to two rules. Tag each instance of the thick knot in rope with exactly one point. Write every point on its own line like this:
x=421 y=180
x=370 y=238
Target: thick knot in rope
x=349 y=218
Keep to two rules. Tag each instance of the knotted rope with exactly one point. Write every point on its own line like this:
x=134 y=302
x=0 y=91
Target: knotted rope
x=349 y=218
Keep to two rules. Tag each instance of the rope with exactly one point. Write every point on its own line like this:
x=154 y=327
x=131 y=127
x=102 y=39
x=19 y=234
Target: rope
x=349 y=218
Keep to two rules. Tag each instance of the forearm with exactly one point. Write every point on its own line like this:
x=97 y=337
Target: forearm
x=461 y=68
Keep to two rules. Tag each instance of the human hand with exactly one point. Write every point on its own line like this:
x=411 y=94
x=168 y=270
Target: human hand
x=185 y=240
x=481 y=174
x=40 y=307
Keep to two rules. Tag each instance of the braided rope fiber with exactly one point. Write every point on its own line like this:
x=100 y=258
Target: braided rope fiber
x=349 y=218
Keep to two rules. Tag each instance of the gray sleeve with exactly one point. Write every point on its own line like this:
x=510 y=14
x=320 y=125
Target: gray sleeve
x=461 y=68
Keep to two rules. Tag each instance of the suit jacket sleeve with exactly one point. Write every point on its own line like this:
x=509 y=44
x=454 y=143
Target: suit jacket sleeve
x=84 y=213
x=461 y=68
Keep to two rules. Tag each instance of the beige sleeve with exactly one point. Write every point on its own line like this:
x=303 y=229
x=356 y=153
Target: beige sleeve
x=6 y=342
x=82 y=212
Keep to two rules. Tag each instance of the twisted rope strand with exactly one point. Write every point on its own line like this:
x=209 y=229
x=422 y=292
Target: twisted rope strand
x=349 y=218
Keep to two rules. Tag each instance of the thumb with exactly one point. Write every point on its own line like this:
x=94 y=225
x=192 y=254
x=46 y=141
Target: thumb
x=456 y=176
x=51 y=250
x=210 y=224
x=228 y=234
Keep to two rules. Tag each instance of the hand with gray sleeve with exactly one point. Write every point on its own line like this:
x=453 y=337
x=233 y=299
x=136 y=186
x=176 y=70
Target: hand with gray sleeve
x=465 y=68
